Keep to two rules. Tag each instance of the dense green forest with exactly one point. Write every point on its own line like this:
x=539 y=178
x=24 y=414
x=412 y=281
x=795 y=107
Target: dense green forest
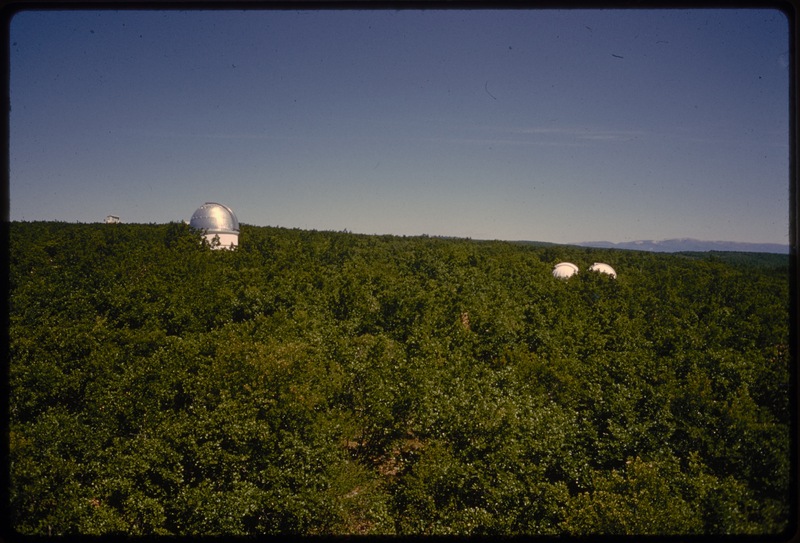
x=333 y=383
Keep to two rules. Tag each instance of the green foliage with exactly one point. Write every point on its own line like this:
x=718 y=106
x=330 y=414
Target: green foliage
x=333 y=383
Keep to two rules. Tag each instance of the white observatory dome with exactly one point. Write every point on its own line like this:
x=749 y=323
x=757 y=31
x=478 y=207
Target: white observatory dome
x=217 y=221
x=565 y=270
x=603 y=268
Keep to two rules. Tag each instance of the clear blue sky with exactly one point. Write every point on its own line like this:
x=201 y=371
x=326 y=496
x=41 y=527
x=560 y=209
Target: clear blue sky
x=558 y=126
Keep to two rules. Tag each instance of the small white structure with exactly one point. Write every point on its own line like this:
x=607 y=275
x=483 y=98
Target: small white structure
x=603 y=268
x=219 y=225
x=112 y=219
x=565 y=270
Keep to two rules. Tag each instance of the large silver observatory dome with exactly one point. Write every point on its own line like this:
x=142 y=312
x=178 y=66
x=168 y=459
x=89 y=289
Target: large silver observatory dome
x=214 y=218
x=219 y=225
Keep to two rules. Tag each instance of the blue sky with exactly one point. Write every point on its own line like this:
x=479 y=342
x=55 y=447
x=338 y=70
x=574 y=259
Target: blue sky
x=558 y=126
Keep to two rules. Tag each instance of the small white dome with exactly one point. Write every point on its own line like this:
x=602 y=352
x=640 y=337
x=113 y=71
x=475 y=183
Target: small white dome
x=603 y=268
x=565 y=270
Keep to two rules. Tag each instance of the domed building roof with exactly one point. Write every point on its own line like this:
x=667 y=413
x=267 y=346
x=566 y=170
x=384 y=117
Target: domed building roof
x=215 y=218
x=565 y=270
x=603 y=268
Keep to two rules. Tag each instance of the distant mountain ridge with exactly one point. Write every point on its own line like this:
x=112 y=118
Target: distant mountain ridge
x=688 y=244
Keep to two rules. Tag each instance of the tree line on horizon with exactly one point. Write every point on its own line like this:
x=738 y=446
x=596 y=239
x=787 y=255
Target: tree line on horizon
x=334 y=383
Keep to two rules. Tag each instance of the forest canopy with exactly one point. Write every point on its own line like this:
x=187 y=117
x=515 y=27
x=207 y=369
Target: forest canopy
x=334 y=383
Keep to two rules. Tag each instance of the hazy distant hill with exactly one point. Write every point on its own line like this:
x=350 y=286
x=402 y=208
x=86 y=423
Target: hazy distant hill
x=689 y=244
